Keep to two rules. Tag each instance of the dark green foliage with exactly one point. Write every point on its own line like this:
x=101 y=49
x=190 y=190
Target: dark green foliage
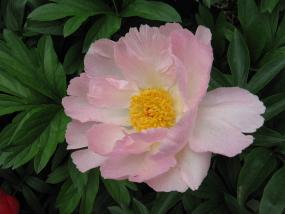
x=42 y=46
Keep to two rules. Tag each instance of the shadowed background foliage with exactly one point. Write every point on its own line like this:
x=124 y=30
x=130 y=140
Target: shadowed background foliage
x=42 y=45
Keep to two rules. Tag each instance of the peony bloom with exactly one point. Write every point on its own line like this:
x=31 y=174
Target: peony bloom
x=8 y=203
x=141 y=110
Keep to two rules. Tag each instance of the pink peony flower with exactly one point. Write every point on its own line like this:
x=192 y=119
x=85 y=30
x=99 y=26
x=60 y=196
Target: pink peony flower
x=141 y=110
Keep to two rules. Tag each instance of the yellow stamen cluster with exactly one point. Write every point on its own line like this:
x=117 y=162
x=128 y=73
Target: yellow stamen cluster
x=152 y=108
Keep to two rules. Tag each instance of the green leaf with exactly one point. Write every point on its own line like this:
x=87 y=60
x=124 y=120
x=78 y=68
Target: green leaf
x=105 y=27
x=14 y=15
x=59 y=156
x=247 y=12
x=18 y=49
x=103 y=201
x=36 y=69
x=265 y=74
x=139 y=208
x=238 y=59
x=73 y=59
x=254 y=24
x=91 y=190
x=49 y=27
x=189 y=201
x=259 y=164
x=78 y=178
x=55 y=134
x=10 y=85
x=228 y=169
x=32 y=132
x=37 y=184
x=32 y=200
x=206 y=207
x=273 y=197
x=164 y=202
x=35 y=3
x=211 y=188
x=10 y=104
x=219 y=79
x=152 y=10
x=66 y=8
x=272 y=54
x=268 y=5
x=50 y=12
x=68 y=198
x=268 y=138
x=280 y=34
x=58 y=175
x=205 y=17
x=73 y=24
x=118 y=210
x=118 y=190
x=233 y=205
x=221 y=29
x=53 y=70
x=275 y=104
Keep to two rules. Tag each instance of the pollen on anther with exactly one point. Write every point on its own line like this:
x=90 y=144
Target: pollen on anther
x=152 y=108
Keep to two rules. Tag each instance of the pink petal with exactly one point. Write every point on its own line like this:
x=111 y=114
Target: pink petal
x=193 y=167
x=76 y=134
x=77 y=106
x=168 y=28
x=99 y=60
x=190 y=171
x=223 y=115
x=79 y=109
x=149 y=135
x=168 y=182
x=78 y=86
x=177 y=136
x=144 y=57
x=204 y=35
x=193 y=63
x=110 y=92
x=140 y=142
x=137 y=168
x=85 y=159
x=102 y=137
x=236 y=106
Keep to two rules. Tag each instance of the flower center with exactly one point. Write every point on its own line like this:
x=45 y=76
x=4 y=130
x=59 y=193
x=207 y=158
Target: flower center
x=152 y=108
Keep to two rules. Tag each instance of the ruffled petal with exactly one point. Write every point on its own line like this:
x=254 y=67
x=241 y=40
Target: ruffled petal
x=78 y=86
x=177 y=136
x=190 y=171
x=168 y=28
x=137 y=168
x=76 y=134
x=78 y=108
x=140 y=142
x=204 y=35
x=144 y=57
x=99 y=60
x=103 y=137
x=193 y=167
x=85 y=159
x=110 y=93
x=223 y=115
x=168 y=182
x=193 y=60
